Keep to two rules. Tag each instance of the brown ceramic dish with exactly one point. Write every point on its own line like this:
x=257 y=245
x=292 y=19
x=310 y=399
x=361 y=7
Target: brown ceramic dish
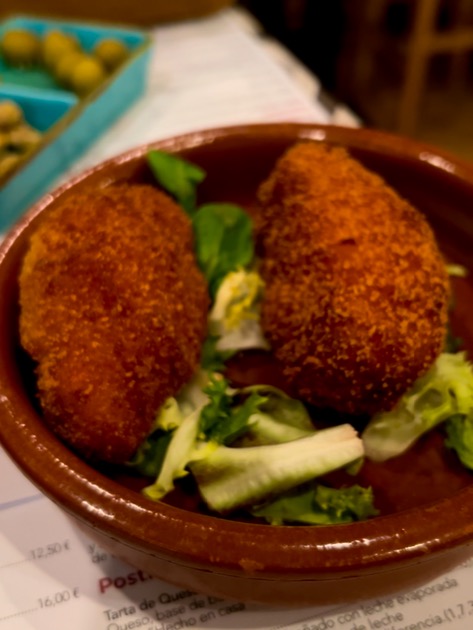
x=426 y=499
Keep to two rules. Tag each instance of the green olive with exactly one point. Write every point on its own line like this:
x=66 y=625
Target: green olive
x=20 y=47
x=111 y=52
x=24 y=137
x=87 y=75
x=4 y=141
x=8 y=163
x=64 y=68
x=11 y=115
x=55 y=45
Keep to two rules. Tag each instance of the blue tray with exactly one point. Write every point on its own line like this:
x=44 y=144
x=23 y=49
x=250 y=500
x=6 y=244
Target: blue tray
x=69 y=124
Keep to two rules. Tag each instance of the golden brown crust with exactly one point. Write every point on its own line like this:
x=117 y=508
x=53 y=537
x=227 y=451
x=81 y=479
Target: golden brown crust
x=356 y=288
x=113 y=309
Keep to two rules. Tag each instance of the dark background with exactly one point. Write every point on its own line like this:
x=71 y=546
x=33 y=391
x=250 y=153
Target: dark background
x=312 y=30
x=325 y=36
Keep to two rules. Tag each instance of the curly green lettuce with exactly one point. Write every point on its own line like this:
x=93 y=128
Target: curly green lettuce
x=460 y=438
x=318 y=505
x=234 y=320
x=443 y=393
x=231 y=478
x=209 y=441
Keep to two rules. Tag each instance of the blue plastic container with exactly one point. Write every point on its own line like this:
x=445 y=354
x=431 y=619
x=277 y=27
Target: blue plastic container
x=69 y=124
x=42 y=108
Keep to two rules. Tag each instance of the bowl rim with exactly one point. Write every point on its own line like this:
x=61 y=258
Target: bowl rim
x=304 y=551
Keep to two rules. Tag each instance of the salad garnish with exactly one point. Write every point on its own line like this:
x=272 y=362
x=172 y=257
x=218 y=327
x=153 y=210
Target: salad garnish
x=256 y=449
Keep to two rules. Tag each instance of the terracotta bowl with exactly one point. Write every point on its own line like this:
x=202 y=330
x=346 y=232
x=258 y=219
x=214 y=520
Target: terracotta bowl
x=426 y=499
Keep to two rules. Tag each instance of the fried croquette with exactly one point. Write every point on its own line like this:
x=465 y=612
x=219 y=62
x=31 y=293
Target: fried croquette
x=356 y=297
x=114 y=313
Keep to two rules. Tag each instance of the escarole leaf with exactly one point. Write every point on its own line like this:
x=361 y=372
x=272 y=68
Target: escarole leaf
x=282 y=407
x=234 y=319
x=212 y=359
x=222 y=231
x=230 y=478
x=201 y=432
x=177 y=176
x=156 y=452
x=221 y=420
x=149 y=457
x=460 y=438
x=223 y=241
x=218 y=408
x=446 y=390
x=267 y=429
x=178 y=453
x=318 y=505
x=278 y=419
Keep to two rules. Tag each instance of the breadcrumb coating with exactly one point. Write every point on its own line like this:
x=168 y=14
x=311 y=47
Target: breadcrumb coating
x=114 y=312
x=357 y=292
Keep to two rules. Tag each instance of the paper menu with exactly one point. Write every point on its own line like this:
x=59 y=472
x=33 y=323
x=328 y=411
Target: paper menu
x=52 y=576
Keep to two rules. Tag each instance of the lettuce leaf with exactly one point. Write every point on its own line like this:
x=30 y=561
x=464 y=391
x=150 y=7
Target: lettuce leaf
x=150 y=455
x=177 y=176
x=205 y=439
x=460 y=438
x=446 y=390
x=179 y=451
x=148 y=459
x=231 y=478
x=235 y=316
x=222 y=231
x=223 y=241
x=279 y=418
x=319 y=505
x=222 y=420
x=212 y=359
